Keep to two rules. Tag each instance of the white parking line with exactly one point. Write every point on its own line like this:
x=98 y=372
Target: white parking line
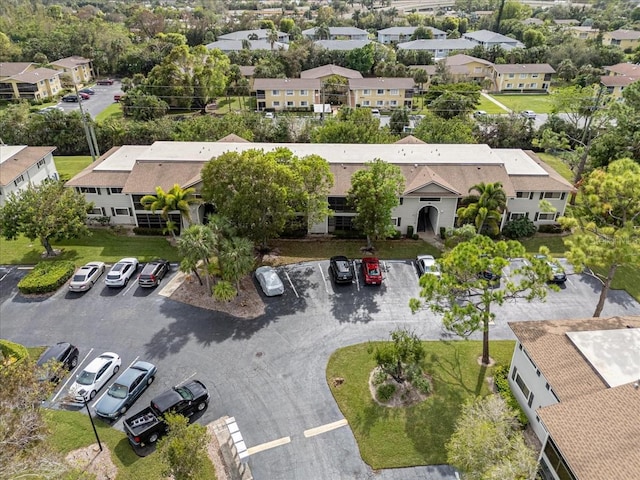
x=387 y=271
x=105 y=392
x=266 y=446
x=291 y=283
x=325 y=428
x=131 y=285
x=64 y=385
x=326 y=287
x=3 y=276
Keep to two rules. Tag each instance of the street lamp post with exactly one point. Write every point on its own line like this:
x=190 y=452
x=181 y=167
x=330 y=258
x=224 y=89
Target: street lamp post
x=86 y=404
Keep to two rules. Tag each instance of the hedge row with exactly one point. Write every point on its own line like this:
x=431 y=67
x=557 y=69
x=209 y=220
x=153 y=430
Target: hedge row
x=12 y=352
x=148 y=231
x=501 y=379
x=47 y=277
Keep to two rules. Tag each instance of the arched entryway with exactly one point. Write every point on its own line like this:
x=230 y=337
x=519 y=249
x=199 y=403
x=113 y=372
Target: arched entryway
x=427 y=219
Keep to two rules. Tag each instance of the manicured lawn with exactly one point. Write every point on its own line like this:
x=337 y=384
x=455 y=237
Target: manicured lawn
x=490 y=107
x=517 y=103
x=293 y=251
x=68 y=167
x=232 y=104
x=103 y=244
x=557 y=164
x=403 y=437
x=113 y=111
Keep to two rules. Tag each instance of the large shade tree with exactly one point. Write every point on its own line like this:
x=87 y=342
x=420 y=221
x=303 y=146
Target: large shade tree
x=607 y=224
x=46 y=212
x=470 y=285
x=374 y=193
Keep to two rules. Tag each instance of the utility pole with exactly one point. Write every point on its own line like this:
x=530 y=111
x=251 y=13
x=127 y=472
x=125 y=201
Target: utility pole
x=87 y=133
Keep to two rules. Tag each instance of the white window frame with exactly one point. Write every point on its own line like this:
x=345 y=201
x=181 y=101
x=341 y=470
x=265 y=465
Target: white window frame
x=380 y=91
x=289 y=93
x=546 y=216
x=291 y=104
x=523 y=75
x=517 y=215
x=553 y=195
x=393 y=103
x=521 y=85
x=535 y=75
x=380 y=103
x=511 y=75
x=275 y=93
x=304 y=103
x=366 y=91
x=366 y=103
x=304 y=93
x=97 y=211
x=509 y=85
x=118 y=210
x=275 y=103
x=88 y=189
x=528 y=195
x=394 y=91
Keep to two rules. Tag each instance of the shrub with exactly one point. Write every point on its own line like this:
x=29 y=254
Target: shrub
x=349 y=234
x=103 y=220
x=410 y=231
x=385 y=392
x=416 y=236
x=148 y=231
x=379 y=377
x=395 y=235
x=224 y=291
x=422 y=383
x=501 y=379
x=551 y=228
x=47 y=277
x=443 y=233
x=12 y=352
x=519 y=228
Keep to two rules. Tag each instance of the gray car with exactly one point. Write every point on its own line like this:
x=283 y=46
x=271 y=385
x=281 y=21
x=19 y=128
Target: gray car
x=269 y=281
x=126 y=389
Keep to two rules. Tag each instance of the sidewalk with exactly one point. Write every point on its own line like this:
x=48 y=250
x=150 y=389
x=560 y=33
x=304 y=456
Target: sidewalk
x=493 y=100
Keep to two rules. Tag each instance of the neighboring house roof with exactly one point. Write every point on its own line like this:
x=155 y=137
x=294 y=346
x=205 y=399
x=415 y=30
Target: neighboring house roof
x=487 y=36
x=327 y=70
x=247 y=70
x=578 y=28
x=34 y=76
x=382 y=82
x=408 y=31
x=409 y=140
x=431 y=44
x=342 y=44
x=566 y=21
x=617 y=80
x=347 y=31
x=112 y=169
x=232 y=137
x=552 y=182
x=71 y=62
x=453 y=69
x=236 y=45
x=532 y=21
x=462 y=59
x=9 y=69
x=624 y=34
x=261 y=33
x=625 y=69
x=15 y=160
x=524 y=68
x=287 y=83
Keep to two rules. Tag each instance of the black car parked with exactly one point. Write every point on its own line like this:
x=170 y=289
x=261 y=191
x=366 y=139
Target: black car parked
x=341 y=269
x=62 y=352
x=153 y=272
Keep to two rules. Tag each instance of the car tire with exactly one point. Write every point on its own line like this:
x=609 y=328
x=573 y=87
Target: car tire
x=74 y=362
x=115 y=369
x=92 y=394
x=202 y=406
x=123 y=410
x=153 y=438
x=126 y=281
x=150 y=381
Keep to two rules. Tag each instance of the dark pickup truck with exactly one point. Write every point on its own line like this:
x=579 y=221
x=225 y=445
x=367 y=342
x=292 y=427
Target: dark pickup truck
x=148 y=425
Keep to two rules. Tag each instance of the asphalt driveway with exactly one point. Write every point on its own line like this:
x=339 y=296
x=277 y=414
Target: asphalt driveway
x=267 y=373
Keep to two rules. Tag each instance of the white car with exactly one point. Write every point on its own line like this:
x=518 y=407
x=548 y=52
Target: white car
x=528 y=114
x=269 y=281
x=427 y=264
x=94 y=376
x=121 y=272
x=86 y=277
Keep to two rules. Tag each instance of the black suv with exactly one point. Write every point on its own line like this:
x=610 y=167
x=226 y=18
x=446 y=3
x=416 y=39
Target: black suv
x=153 y=272
x=62 y=352
x=341 y=269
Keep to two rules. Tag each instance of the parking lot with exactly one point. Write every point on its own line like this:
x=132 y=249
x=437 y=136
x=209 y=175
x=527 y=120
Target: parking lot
x=102 y=98
x=268 y=372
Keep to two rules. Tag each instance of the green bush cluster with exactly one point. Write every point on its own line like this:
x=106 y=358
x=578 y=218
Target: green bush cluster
x=551 y=228
x=501 y=379
x=349 y=234
x=47 y=277
x=519 y=228
x=385 y=392
x=148 y=231
x=12 y=352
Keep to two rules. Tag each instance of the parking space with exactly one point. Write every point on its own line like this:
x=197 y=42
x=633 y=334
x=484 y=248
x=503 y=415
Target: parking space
x=101 y=99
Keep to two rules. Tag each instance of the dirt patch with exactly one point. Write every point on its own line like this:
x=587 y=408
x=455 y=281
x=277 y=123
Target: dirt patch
x=247 y=305
x=406 y=395
x=213 y=450
x=93 y=461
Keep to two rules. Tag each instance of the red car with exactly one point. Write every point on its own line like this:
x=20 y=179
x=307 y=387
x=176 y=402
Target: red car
x=371 y=271
x=105 y=81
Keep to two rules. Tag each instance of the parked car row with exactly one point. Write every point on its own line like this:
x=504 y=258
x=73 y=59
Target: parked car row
x=120 y=274
x=342 y=270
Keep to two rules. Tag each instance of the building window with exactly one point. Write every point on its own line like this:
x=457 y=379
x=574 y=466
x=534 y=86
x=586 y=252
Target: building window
x=393 y=103
x=530 y=402
x=379 y=103
x=521 y=85
x=121 y=212
x=523 y=75
x=115 y=190
x=534 y=75
x=366 y=103
x=511 y=75
x=528 y=195
x=275 y=104
x=395 y=221
x=88 y=190
x=533 y=85
x=429 y=199
x=97 y=211
x=41 y=163
x=18 y=180
x=559 y=195
x=339 y=204
x=541 y=216
x=304 y=93
x=509 y=85
x=290 y=104
x=556 y=462
x=380 y=91
x=366 y=91
x=394 y=91
x=341 y=222
x=523 y=387
x=289 y=93
x=517 y=215
x=304 y=103
x=275 y=93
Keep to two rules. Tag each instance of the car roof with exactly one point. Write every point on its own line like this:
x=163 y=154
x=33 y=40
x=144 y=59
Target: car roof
x=129 y=375
x=54 y=351
x=370 y=260
x=98 y=362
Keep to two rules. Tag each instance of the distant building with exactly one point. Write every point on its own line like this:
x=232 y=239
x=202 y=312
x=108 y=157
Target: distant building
x=21 y=166
x=381 y=93
x=439 y=48
x=489 y=39
x=78 y=69
x=26 y=80
x=463 y=68
x=286 y=93
x=337 y=33
x=404 y=34
x=522 y=77
x=326 y=71
x=619 y=77
x=256 y=34
x=625 y=39
x=342 y=45
x=584 y=33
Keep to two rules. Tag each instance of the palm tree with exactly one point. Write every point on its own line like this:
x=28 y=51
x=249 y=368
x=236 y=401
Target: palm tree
x=246 y=44
x=197 y=244
x=323 y=32
x=485 y=209
x=272 y=37
x=176 y=198
x=236 y=259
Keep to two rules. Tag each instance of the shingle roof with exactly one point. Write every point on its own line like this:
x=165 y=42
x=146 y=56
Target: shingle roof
x=453 y=69
x=326 y=70
x=247 y=70
x=624 y=34
x=337 y=31
x=146 y=176
x=409 y=140
x=489 y=36
x=236 y=45
x=431 y=44
x=8 y=69
x=382 y=82
x=524 y=68
x=617 y=80
x=598 y=435
x=408 y=31
x=261 y=33
x=71 y=62
x=626 y=69
x=342 y=44
x=287 y=83
x=34 y=76
x=19 y=162
x=462 y=59
x=564 y=367
x=91 y=176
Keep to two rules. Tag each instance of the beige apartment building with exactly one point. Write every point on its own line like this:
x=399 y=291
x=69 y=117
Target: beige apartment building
x=381 y=93
x=26 y=80
x=522 y=77
x=78 y=69
x=279 y=94
x=625 y=39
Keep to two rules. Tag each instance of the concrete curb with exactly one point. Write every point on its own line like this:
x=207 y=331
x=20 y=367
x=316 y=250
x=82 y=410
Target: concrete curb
x=236 y=469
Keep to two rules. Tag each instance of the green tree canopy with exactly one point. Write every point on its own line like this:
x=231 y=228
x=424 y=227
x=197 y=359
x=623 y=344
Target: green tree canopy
x=352 y=126
x=184 y=450
x=435 y=129
x=46 y=212
x=485 y=208
x=374 y=193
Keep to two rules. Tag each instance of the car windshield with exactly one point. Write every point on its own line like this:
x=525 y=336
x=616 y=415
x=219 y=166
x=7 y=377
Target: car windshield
x=185 y=393
x=117 y=267
x=86 y=378
x=373 y=270
x=79 y=278
x=118 y=391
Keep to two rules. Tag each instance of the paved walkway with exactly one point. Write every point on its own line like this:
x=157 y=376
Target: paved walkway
x=493 y=100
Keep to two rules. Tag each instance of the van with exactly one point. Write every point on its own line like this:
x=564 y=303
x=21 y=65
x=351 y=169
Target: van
x=375 y=112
